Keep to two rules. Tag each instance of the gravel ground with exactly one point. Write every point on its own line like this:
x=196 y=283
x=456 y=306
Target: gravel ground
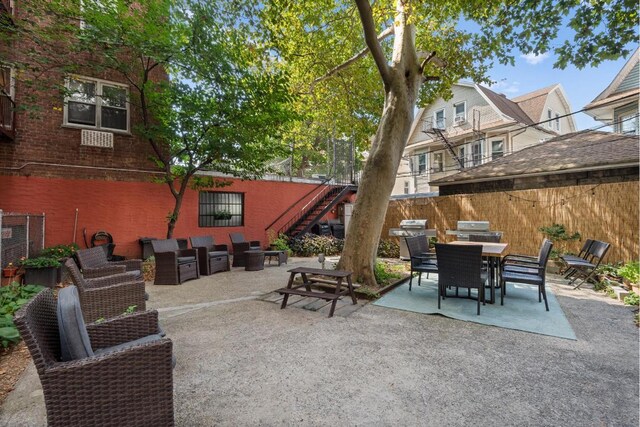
x=243 y=361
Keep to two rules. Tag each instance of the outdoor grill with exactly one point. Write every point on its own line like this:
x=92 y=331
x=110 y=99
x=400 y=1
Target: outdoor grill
x=472 y=227
x=410 y=227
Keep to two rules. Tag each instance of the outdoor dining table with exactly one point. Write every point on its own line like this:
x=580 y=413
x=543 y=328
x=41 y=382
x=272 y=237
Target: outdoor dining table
x=494 y=252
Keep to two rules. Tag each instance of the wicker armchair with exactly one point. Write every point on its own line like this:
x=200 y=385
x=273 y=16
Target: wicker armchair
x=421 y=261
x=174 y=265
x=124 y=387
x=240 y=246
x=211 y=257
x=460 y=267
x=107 y=296
x=94 y=263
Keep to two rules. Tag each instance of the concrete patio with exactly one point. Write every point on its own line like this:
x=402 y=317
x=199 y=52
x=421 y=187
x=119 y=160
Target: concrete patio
x=243 y=361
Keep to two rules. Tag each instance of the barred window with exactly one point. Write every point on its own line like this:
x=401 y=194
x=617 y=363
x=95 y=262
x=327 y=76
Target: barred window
x=218 y=209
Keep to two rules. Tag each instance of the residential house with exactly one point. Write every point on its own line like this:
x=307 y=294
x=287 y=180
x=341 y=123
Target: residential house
x=475 y=126
x=617 y=105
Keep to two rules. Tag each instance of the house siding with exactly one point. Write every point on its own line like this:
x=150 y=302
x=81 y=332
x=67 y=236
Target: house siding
x=632 y=81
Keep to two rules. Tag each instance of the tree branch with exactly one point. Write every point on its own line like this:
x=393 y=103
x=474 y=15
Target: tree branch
x=383 y=35
x=368 y=25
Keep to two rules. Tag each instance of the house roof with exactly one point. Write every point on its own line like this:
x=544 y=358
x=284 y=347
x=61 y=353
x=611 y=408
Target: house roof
x=582 y=150
x=506 y=106
x=533 y=103
x=631 y=64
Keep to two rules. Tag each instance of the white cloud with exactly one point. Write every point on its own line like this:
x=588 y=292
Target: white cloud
x=534 y=59
x=503 y=86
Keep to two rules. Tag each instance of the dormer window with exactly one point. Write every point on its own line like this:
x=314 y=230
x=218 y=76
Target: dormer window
x=550 y=118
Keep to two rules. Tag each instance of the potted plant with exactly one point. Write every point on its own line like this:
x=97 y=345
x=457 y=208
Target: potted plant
x=221 y=215
x=9 y=271
x=630 y=273
x=60 y=252
x=41 y=270
x=558 y=234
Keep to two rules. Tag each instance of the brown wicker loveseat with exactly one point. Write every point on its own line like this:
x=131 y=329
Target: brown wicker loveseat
x=125 y=384
x=94 y=263
x=211 y=257
x=108 y=296
x=174 y=265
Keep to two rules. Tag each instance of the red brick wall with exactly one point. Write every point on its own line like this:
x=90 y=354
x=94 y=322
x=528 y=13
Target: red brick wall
x=130 y=210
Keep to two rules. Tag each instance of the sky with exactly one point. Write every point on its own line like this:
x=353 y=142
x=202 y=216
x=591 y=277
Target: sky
x=580 y=86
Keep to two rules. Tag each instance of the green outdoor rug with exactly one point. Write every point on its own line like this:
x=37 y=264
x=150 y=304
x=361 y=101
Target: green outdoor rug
x=521 y=309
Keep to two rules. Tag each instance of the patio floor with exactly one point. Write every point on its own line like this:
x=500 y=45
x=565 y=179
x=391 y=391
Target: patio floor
x=243 y=361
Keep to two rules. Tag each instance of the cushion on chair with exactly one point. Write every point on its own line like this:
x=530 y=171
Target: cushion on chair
x=186 y=259
x=213 y=254
x=532 y=279
x=74 y=339
x=125 y=345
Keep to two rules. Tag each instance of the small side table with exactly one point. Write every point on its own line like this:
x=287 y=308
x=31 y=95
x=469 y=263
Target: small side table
x=281 y=256
x=254 y=260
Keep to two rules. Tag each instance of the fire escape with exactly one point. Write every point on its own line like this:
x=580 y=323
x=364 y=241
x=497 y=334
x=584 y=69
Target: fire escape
x=7 y=105
x=437 y=132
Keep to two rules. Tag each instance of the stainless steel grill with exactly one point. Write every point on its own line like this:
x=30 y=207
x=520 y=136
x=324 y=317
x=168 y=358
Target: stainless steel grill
x=408 y=228
x=465 y=228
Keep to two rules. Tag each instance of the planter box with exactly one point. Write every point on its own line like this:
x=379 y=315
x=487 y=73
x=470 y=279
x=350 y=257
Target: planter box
x=6 y=281
x=47 y=276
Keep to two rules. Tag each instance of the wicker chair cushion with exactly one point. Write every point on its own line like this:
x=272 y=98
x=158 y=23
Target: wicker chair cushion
x=74 y=339
x=186 y=259
x=139 y=341
x=218 y=253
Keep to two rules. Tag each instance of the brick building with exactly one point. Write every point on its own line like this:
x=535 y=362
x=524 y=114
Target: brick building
x=77 y=152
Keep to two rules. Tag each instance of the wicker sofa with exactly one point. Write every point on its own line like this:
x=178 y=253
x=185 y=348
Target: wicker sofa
x=94 y=263
x=130 y=384
x=174 y=265
x=211 y=257
x=108 y=296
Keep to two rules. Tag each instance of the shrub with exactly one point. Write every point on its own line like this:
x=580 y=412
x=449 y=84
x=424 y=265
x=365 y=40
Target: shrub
x=40 y=262
x=281 y=243
x=60 y=251
x=632 y=299
x=311 y=244
x=559 y=236
x=630 y=271
x=13 y=297
x=383 y=274
x=388 y=249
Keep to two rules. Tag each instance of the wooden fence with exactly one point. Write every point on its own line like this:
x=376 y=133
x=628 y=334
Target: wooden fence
x=607 y=212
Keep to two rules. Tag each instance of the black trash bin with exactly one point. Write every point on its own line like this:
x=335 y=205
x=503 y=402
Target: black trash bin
x=145 y=245
x=337 y=230
x=321 y=229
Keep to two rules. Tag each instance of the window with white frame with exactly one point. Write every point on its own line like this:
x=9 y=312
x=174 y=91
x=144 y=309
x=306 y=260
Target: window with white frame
x=629 y=124
x=7 y=89
x=438 y=163
x=406 y=187
x=549 y=118
x=460 y=112
x=422 y=163
x=462 y=155
x=557 y=122
x=497 y=149
x=439 y=119
x=97 y=104
x=476 y=153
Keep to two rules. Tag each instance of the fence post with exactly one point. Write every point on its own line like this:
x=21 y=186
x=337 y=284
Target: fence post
x=42 y=243
x=1 y=262
x=26 y=241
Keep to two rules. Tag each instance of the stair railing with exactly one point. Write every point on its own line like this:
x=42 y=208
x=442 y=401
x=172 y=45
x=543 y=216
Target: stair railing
x=306 y=208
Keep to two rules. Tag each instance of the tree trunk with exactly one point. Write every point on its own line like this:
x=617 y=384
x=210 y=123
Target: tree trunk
x=378 y=177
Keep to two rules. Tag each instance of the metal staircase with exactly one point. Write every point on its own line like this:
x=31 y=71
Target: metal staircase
x=438 y=135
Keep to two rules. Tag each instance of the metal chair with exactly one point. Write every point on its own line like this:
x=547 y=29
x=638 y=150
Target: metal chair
x=174 y=265
x=585 y=268
x=420 y=262
x=107 y=296
x=583 y=255
x=126 y=383
x=460 y=267
x=211 y=257
x=529 y=273
x=240 y=246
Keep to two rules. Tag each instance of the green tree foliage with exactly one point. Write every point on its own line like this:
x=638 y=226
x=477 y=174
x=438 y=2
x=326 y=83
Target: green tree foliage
x=390 y=55
x=208 y=95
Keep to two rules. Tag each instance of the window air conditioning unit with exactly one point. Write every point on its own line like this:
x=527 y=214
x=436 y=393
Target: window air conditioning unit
x=460 y=120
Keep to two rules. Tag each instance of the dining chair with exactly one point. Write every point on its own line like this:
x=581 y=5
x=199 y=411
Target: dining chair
x=460 y=267
x=420 y=262
x=530 y=274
